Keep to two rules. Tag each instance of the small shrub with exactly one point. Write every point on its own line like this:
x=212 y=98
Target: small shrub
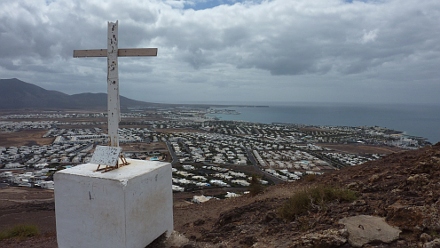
x=310 y=177
x=19 y=231
x=314 y=198
x=297 y=204
x=255 y=186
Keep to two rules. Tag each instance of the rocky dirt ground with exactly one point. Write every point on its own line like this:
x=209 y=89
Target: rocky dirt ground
x=402 y=188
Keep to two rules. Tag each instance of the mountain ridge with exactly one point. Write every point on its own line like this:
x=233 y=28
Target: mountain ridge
x=17 y=94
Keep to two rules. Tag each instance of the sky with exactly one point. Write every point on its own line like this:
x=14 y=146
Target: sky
x=344 y=51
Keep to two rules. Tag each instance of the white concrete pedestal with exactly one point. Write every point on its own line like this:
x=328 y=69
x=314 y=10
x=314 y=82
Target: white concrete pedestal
x=127 y=207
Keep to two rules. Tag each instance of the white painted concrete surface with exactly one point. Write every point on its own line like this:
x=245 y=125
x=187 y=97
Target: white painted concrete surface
x=127 y=207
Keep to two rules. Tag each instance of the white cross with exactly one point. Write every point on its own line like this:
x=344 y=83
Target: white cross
x=112 y=53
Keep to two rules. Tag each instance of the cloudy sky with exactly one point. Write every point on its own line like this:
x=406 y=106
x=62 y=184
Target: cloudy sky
x=231 y=50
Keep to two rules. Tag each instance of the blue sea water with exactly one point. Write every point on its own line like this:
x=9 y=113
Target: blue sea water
x=416 y=120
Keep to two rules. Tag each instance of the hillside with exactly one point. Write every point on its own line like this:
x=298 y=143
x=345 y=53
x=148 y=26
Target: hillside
x=16 y=94
x=402 y=188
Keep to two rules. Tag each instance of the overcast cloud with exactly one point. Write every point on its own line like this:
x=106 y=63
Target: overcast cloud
x=227 y=50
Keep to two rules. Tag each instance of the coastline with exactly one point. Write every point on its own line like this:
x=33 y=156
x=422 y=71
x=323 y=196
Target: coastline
x=411 y=120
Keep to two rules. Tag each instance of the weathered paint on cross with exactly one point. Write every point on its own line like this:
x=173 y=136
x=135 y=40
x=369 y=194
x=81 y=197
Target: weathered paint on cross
x=112 y=53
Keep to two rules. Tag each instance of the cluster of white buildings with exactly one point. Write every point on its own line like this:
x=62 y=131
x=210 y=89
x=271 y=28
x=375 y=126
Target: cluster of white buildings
x=290 y=159
x=350 y=159
x=190 y=177
x=36 y=178
x=8 y=126
x=52 y=115
x=28 y=156
x=285 y=151
x=209 y=147
x=96 y=135
x=228 y=149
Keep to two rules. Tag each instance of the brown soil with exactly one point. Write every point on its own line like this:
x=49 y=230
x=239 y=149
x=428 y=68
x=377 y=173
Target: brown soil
x=403 y=188
x=25 y=138
x=28 y=206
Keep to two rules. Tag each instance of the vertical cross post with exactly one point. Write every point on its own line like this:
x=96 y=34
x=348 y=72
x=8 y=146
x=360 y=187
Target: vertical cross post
x=113 y=104
x=112 y=53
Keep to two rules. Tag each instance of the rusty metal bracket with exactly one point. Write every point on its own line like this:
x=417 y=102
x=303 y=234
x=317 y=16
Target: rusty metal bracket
x=123 y=162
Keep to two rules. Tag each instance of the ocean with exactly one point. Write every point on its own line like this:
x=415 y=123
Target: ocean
x=420 y=120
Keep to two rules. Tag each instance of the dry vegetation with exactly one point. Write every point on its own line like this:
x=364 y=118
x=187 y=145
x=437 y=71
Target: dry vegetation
x=314 y=199
x=20 y=231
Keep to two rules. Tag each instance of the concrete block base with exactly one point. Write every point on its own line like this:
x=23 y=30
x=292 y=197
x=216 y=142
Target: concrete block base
x=127 y=207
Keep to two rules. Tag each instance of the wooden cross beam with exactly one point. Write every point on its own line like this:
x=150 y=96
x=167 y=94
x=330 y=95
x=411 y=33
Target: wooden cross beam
x=112 y=53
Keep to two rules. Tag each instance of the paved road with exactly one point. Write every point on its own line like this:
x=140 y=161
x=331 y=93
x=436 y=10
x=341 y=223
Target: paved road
x=250 y=155
x=254 y=162
x=172 y=153
x=335 y=165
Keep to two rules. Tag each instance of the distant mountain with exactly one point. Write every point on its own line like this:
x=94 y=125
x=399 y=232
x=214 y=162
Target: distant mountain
x=16 y=94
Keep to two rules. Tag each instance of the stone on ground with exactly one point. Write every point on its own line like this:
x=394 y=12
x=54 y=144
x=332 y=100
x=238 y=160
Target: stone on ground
x=364 y=229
